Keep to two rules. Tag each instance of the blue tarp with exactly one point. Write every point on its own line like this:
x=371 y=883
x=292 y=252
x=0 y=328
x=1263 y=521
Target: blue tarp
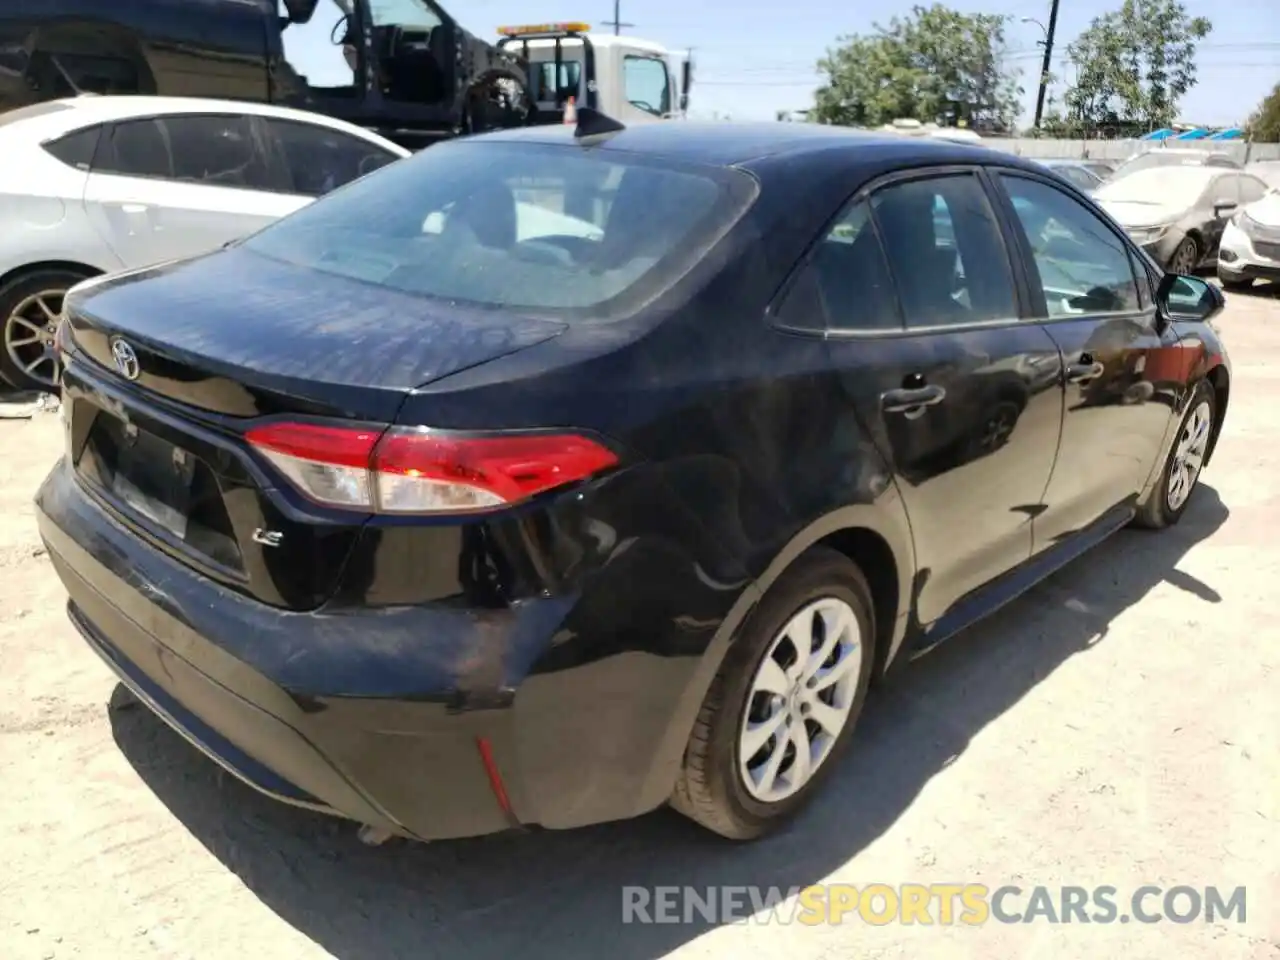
x=1157 y=135
x=1234 y=133
x=1192 y=135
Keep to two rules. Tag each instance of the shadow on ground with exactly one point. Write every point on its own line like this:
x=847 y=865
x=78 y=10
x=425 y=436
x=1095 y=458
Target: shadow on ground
x=497 y=897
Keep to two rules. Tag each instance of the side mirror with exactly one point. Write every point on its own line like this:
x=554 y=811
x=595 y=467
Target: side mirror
x=1222 y=207
x=686 y=81
x=1189 y=298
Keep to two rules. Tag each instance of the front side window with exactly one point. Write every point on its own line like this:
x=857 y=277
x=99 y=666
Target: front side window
x=1251 y=189
x=212 y=150
x=516 y=226
x=317 y=159
x=403 y=13
x=945 y=251
x=646 y=85
x=1083 y=266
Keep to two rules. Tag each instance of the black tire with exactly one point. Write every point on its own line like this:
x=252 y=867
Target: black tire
x=12 y=295
x=1155 y=513
x=1186 y=257
x=710 y=790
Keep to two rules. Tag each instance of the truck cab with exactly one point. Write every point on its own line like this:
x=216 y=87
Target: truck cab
x=632 y=80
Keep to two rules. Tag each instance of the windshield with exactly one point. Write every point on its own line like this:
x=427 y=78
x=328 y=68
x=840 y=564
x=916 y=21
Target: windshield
x=517 y=225
x=1158 y=185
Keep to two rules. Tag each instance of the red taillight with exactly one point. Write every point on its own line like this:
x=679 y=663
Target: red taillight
x=417 y=470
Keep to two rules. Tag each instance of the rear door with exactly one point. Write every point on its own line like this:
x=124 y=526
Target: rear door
x=175 y=186
x=961 y=394
x=1097 y=304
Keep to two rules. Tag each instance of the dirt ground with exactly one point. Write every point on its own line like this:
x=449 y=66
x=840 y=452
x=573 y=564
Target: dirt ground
x=1120 y=725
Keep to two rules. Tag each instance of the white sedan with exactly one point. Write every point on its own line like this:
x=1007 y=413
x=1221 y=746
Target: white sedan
x=93 y=185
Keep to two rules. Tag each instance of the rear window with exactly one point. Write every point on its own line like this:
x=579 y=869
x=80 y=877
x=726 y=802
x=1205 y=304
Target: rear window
x=517 y=225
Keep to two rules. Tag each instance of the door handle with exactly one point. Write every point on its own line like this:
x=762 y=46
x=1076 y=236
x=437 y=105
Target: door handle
x=1084 y=369
x=134 y=207
x=911 y=400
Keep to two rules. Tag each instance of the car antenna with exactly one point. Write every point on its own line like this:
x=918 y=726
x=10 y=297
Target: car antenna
x=593 y=123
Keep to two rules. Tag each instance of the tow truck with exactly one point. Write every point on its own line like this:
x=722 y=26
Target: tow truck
x=416 y=75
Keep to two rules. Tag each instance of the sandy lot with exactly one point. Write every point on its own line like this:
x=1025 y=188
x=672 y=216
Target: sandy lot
x=1121 y=726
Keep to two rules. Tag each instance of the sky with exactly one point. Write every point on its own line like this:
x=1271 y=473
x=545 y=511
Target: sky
x=754 y=60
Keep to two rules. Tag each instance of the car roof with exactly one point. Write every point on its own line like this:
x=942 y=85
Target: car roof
x=71 y=113
x=746 y=143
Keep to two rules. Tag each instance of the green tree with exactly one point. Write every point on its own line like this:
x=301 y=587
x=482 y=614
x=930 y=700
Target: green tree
x=1264 y=125
x=934 y=65
x=1134 y=65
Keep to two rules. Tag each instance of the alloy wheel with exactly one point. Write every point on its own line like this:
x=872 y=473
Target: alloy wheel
x=1184 y=258
x=800 y=699
x=1188 y=456
x=29 y=332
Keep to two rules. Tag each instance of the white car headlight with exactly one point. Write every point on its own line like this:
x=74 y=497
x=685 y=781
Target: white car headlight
x=1144 y=235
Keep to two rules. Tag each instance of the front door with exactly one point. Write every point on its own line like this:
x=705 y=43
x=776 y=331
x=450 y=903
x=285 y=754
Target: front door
x=1097 y=304
x=962 y=397
x=413 y=59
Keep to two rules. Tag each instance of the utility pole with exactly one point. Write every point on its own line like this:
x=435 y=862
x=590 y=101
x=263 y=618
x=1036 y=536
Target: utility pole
x=1048 y=57
x=616 y=22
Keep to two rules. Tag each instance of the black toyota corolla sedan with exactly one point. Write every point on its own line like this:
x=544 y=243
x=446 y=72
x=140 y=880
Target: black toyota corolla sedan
x=550 y=476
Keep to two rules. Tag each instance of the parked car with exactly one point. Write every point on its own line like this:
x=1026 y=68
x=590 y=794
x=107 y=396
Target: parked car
x=95 y=184
x=1076 y=172
x=1250 y=247
x=456 y=531
x=1173 y=157
x=1177 y=214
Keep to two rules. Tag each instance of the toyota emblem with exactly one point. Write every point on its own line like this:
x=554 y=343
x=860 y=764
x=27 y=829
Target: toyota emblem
x=126 y=360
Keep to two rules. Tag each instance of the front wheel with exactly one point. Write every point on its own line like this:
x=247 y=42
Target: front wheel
x=1186 y=258
x=785 y=701
x=1168 y=499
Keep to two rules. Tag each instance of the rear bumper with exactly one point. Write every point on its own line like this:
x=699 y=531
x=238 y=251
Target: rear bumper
x=375 y=716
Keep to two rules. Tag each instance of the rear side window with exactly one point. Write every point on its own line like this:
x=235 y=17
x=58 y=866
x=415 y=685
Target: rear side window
x=518 y=226
x=215 y=150
x=945 y=251
x=845 y=285
x=317 y=159
x=76 y=149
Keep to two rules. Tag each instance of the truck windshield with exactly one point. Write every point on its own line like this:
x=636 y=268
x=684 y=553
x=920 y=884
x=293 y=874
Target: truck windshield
x=511 y=224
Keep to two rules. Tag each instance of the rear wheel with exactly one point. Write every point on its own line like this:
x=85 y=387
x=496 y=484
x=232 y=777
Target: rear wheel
x=1186 y=258
x=1181 y=472
x=30 y=306
x=785 y=702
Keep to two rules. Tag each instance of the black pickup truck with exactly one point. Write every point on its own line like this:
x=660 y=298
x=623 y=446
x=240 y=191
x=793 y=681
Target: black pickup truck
x=415 y=74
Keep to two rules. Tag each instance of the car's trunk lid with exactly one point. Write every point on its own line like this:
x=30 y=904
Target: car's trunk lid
x=219 y=343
